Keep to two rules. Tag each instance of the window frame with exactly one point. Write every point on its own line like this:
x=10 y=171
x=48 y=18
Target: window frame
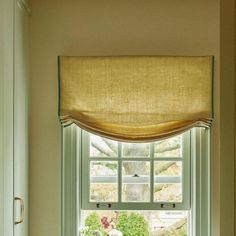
x=200 y=224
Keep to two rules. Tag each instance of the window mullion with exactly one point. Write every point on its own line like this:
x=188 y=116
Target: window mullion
x=119 y=172
x=152 y=172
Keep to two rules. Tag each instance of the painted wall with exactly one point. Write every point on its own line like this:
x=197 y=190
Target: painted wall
x=227 y=122
x=105 y=27
x=234 y=116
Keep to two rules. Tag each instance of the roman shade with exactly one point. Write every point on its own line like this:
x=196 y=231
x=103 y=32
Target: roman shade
x=136 y=98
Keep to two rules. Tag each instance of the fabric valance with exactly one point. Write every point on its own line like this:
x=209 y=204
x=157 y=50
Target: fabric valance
x=136 y=98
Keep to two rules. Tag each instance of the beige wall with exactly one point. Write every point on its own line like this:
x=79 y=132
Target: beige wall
x=105 y=27
x=235 y=117
x=227 y=123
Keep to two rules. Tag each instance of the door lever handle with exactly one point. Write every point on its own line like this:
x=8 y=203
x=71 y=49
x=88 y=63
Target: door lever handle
x=22 y=209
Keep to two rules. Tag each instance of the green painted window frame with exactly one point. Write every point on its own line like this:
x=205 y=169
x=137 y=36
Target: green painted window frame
x=201 y=182
x=72 y=175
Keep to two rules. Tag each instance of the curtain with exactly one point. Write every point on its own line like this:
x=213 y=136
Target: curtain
x=136 y=98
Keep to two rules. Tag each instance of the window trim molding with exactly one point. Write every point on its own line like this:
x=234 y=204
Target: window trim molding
x=70 y=167
x=71 y=171
x=201 y=169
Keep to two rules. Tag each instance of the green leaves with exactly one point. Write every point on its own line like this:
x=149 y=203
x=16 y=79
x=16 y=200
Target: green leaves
x=94 y=224
x=132 y=224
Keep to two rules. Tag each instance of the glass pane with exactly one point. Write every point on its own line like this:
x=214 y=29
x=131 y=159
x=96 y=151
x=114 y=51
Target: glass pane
x=153 y=223
x=168 y=192
x=167 y=182
x=102 y=147
x=103 y=192
x=136 y=181
x=103 y=181
x=136 y=193
x=169 y=223
x=165 y=168
x=103 y=168
x=171 y=147
x=135 y=149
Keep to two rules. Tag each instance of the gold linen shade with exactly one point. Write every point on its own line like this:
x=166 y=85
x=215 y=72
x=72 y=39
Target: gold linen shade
x=136 y=98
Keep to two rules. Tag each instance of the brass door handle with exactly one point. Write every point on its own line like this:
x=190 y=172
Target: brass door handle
x=22 y=209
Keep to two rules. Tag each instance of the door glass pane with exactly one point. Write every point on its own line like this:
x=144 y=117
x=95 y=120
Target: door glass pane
x=168 y=181
x=136 y=181
x=135 y=149
x=102 y=147
x=103 y=181
x=171 y=147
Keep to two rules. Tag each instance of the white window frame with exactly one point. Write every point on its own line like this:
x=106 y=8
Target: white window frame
x=200 y=183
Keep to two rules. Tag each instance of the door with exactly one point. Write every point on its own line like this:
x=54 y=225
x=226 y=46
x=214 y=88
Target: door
x=6 y=117
x=20 y=120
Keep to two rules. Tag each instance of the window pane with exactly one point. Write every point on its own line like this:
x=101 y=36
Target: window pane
x=171 y=147
x=170 y=223
x=136 y=193
x=167 y=181
x=168 y=192
x=136 y=181
x=135 y=149
x=168 y=168
x=103 y=192
x=103 y=181
x=153 y=223
x=102 y=147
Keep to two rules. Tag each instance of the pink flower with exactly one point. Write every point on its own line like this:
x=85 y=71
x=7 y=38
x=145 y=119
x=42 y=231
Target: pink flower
x=105 y=222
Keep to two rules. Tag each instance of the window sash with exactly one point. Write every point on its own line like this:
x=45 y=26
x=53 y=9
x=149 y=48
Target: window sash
x=152 y=205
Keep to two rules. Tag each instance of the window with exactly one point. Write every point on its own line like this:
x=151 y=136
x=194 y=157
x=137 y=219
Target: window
x=161 y=186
